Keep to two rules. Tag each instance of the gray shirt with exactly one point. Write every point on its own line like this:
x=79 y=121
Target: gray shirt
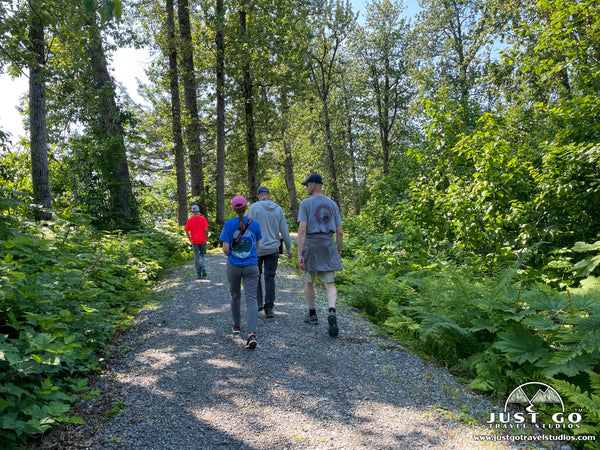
x=320 y=213
x=272 y=223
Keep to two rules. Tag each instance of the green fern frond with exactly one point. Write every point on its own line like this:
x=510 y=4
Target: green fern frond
x=594 y=382
x=589 y=402
x=589 y=286
x=489 y=370
x=584 y=336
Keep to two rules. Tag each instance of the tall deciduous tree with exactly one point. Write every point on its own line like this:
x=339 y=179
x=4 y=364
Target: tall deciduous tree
x=454 y=35
x=383 y=48
x=188 y=76
x=333 y=21
x=116 y=170
x=220 y=82
x=40 y=174
x=247 y=88
x=289 y=160
x=176 y=115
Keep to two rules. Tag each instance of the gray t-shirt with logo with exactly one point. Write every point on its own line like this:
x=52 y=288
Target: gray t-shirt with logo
x=320 y=213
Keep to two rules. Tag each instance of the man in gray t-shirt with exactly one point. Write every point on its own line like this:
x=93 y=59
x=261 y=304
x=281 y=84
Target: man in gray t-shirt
x=319 y=219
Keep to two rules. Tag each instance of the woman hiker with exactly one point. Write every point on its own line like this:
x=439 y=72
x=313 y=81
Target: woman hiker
x=240 y=238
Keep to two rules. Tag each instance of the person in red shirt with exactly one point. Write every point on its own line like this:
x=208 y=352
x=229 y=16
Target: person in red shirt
x=196 y=229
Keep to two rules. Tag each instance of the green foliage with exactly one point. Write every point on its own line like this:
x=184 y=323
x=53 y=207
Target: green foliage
x=495 y=334
x=64 y=290
x=587 y=399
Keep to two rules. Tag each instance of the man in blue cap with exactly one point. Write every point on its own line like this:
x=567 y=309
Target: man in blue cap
x=319 y=219
x=274 y=227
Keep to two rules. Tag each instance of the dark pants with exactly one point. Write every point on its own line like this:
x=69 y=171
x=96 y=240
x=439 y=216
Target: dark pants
x=270 y=265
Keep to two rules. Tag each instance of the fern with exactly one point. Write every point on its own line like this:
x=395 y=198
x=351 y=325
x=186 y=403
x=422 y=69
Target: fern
x=588 y=402
x=585 y=335
x=488 y=371
x=446 y=339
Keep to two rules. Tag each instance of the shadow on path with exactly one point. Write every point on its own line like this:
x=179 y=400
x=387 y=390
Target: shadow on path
x=188 y=383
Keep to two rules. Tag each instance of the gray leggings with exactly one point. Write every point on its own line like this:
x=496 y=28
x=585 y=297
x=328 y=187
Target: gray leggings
x=250 y=276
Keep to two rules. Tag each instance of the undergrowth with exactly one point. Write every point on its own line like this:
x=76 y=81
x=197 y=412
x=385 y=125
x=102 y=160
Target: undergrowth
x=495 y=332
x=65 y=289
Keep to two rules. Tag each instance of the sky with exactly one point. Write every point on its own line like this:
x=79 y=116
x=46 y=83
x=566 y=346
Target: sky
x=127 y=67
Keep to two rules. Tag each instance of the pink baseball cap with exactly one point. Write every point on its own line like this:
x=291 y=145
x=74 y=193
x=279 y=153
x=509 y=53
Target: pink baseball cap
x=238 y=202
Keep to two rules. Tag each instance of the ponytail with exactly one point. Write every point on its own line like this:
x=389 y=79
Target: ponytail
x=240 y=212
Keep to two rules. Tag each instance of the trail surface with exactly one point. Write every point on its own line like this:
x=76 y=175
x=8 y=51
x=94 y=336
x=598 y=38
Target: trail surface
x=181 y=380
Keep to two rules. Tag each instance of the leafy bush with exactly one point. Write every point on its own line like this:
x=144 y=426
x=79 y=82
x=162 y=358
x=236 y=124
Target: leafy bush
x=495 y=333
x=64 y=290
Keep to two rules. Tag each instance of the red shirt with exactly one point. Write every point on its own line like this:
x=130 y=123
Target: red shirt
x=196 y=227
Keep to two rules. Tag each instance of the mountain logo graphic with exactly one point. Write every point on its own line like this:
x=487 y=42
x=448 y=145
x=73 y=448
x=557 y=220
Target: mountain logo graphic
x=543 y=395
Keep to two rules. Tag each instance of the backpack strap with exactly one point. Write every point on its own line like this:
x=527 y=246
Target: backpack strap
x=238 y=239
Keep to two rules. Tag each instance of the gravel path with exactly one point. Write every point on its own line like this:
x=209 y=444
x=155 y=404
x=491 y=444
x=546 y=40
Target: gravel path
x=181 y=380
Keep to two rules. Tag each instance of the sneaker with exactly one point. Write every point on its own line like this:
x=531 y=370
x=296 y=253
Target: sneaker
x=269 y=313
x=313 y=320
x=251 y=342
x=203 y=272
x=235 y=329
x=333 y=328
x=199 y=274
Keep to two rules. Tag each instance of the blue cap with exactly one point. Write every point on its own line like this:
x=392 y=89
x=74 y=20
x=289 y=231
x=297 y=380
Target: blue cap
x=263 y=189
x=314 y=178
x=195 y=208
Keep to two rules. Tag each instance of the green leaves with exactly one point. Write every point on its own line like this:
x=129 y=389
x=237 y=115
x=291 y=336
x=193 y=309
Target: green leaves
x=521 y=345
x=586 y=266
x=64 y=288
x=108 y=9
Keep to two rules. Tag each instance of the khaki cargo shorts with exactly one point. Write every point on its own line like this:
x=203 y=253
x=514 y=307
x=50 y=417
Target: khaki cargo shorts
x=325 y=277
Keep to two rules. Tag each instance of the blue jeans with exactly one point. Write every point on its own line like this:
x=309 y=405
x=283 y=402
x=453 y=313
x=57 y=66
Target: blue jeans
x=270 y=265
x=199 y=256
x=235 y=275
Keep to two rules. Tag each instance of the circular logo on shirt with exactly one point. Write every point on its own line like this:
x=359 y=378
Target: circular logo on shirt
x=324 y=214
x=244 y=248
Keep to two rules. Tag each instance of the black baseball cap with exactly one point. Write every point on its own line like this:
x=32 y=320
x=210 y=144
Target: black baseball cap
x=313 y=178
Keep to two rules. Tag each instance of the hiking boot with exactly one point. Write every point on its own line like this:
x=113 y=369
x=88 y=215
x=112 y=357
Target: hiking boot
x=203 y=272
x=251 y=342
x=235 y=329
x=199 y=274
x=269 y=313
x=333 y=328
x=313 y=320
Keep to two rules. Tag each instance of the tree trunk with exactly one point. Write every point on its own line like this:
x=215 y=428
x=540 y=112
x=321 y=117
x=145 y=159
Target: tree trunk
x=289 y=162
x=351 y=147
x=335 y=195
x=176 y=117
x=40 y=175
x=122 y=202
x=191 y=104
x=220 y=73
x=247 y=94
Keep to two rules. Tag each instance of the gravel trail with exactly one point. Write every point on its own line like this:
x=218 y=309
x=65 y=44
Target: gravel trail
x=181 y=380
